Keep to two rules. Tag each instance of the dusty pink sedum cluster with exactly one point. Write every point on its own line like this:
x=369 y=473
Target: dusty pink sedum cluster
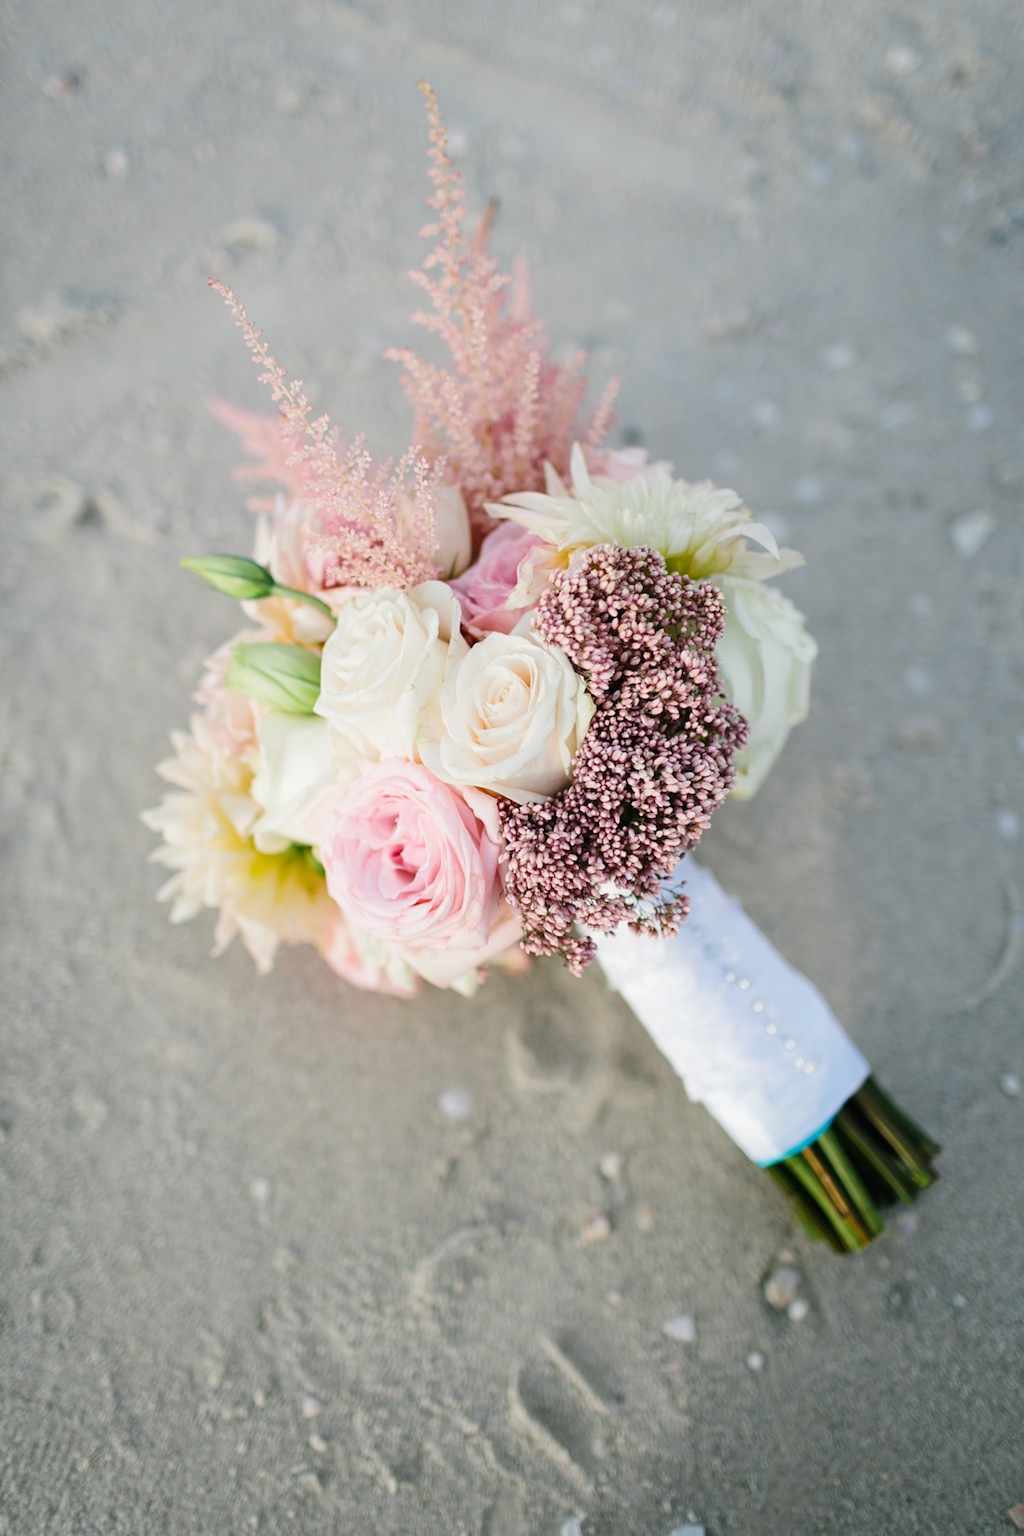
x=656 y=761
x=479 y=712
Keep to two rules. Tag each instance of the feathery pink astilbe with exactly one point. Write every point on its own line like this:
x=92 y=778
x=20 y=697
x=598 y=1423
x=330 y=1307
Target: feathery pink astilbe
x=502 y=409
x=655 y=763
x=267 y=444
x=374 y=522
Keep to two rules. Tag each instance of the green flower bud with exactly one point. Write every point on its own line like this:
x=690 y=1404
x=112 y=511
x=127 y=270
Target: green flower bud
x=233 y=575
x=285 y=677
x=247 y=581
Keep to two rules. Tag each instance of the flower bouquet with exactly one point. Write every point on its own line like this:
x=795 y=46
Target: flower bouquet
x=487 y=701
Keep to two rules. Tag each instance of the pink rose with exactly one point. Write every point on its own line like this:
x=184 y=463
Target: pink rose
x=484 y=589
x=367 y=962
x=408 y=860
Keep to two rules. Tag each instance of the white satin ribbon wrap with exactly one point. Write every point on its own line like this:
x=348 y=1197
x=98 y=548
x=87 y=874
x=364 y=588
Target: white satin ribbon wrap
x=752 y=1039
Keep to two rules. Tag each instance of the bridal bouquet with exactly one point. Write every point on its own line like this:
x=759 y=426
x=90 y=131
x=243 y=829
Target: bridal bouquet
x=486 y=703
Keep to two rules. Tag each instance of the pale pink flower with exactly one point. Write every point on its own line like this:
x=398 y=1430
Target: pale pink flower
x=485 y=588
x=367 y=962
x=622 y=464
x=407 y=859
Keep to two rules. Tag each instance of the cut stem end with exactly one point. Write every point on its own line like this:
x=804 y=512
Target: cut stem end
x=870 y=1156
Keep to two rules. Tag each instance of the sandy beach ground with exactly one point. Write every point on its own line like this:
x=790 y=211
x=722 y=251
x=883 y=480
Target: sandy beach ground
x=278 y=1256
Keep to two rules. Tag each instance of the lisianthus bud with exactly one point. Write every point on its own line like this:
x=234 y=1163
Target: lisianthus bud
x=286 y=677
x=233 y=575
x=247 y=580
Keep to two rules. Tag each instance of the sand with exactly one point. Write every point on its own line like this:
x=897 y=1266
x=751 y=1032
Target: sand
x=280 y=1256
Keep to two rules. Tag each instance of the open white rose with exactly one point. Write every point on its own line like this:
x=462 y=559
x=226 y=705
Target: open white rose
x=764 y=658
x=293 y=777
x=382 y=670
x=513 y=713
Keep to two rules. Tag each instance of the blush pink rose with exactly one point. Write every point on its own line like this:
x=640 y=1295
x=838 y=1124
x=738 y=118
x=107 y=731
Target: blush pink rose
x=484 y=589
x=367 y=962
x=407 y=859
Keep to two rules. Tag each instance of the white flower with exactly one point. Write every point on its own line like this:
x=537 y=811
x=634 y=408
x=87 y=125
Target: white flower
x=764 y=658
x=382 y=670
x=513 y=714
x=293 y=777
x=698 y=529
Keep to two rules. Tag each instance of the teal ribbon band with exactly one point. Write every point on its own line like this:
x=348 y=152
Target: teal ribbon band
x=772 y=1161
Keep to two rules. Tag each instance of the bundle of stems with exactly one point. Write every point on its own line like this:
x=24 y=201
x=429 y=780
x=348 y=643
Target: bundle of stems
x=871 y=1155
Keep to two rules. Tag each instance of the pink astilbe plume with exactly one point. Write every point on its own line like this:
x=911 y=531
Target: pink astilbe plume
x=654 y=764
x=374 y=523
x=266 y=442
x=502 y=409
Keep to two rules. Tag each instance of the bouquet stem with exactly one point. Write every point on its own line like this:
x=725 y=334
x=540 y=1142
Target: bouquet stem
x=759 y=1047
x=870 y=1156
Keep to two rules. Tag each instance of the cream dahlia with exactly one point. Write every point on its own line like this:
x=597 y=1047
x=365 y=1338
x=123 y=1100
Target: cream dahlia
x=699 y=530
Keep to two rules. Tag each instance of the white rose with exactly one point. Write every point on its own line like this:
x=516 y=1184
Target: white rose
x=513 y=713
x=764 y=658
x=383 y=667
x=293 y=777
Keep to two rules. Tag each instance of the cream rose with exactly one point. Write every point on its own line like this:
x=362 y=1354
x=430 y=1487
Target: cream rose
x=293 y=777
x=764 y=658
x=382 y=670
x=513 y=713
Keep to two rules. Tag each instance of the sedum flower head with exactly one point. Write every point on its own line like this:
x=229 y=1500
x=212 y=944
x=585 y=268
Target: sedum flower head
x=654 y=764
x=699 y=530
